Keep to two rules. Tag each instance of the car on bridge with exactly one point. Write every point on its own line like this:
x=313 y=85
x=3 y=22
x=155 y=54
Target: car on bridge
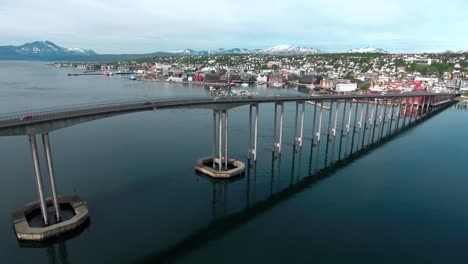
x=28 y=117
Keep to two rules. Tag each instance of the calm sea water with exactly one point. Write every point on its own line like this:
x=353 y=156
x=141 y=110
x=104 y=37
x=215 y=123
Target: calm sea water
x=403 y=200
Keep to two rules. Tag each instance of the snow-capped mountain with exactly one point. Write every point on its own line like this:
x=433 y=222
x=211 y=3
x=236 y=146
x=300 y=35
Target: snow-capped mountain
x=191 y=52
x=42 y=50
x=290 y=50
x=188 y=52
x=278 y=50
x=231 y=51
x=367 y=50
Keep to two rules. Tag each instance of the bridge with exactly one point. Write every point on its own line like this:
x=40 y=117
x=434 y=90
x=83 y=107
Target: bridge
x=353 y=121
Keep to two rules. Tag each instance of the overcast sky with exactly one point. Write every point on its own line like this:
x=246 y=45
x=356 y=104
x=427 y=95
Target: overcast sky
x=139 y=26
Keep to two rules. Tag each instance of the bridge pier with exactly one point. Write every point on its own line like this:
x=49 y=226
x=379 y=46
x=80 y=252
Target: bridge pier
x=334 y=129
x=37 y=170
x=277 y=146
x=301 y=133
x=405 y=112
x=319 y=132
x=382 y=120
x=253 y=151
x=390 y=119
x=342 y=129
x=364 y=128
x=21 y=218
x=354 y=125
x=220 y=166
x=373 y=120
x=50 y=169
x=398 y=115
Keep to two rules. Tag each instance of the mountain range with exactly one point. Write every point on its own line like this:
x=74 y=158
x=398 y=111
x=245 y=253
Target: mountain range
x=42 y=50
x=282 y=50
x=47 y=50
x=367 y=50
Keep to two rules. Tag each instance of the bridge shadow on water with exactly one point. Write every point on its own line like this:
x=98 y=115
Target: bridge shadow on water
x=229 y=222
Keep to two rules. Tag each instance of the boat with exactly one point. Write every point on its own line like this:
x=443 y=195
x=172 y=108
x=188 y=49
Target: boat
x=132 y=78
x=244 y=85
x=106 y=74
x=277 y=84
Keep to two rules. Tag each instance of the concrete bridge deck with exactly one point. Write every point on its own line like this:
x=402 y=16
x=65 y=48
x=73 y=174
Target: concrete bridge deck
x=50 y=119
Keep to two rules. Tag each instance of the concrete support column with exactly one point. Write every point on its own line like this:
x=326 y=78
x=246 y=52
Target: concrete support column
x=214 y=138
x=274 y=126
x=256 y=132
x=280 y=145
x=382 y=120
x=329 y=119
x=400 y=100
x=319 y=132
x=364 y=127
x=423 y=103
x=405 y=112
x=220 y=146
x=249 y=151
x=417 y=108
x=50 y=169
x=254 y=150
x=37 y=169
x=335 y=119
x=313 y=123
x=428 y=105
x=374 y=117
x=354 y=125
x=226 y=126
x=344 y=117
x=295 y=124
x=390 y=123
x=301 y=133
x=343 y=128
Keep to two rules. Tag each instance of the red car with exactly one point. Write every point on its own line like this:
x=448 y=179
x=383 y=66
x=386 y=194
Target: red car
x=26 y=117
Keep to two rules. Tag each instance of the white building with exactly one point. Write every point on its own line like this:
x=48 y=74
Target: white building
x=346 y=87
x=427 y=79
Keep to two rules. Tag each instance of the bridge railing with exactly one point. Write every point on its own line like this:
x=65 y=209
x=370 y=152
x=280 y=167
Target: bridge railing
x=86 y=106
x=45 y=114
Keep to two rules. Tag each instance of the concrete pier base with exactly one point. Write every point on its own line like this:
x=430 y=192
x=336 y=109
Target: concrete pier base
x=25 y=232
x=205 y=166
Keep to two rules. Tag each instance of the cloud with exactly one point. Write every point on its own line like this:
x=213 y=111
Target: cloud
x=146 y=26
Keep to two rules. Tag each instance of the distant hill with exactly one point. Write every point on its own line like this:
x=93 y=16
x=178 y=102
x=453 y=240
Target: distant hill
x=42 y=50
x=367 y=50
x=191 y=52
x=290 y=50
x=282 y=50
x=49 y=51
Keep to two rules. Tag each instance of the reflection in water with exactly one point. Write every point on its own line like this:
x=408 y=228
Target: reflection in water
x=461 y=106
x=224 y=223
x=56 y=248
x=58 y=253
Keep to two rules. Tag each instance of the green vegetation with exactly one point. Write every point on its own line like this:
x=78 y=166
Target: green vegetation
x=366 y=69
x=435 y=68
x=400 y=62
x=364 y=86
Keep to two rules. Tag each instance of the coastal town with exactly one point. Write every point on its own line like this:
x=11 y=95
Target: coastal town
x=326 y=73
